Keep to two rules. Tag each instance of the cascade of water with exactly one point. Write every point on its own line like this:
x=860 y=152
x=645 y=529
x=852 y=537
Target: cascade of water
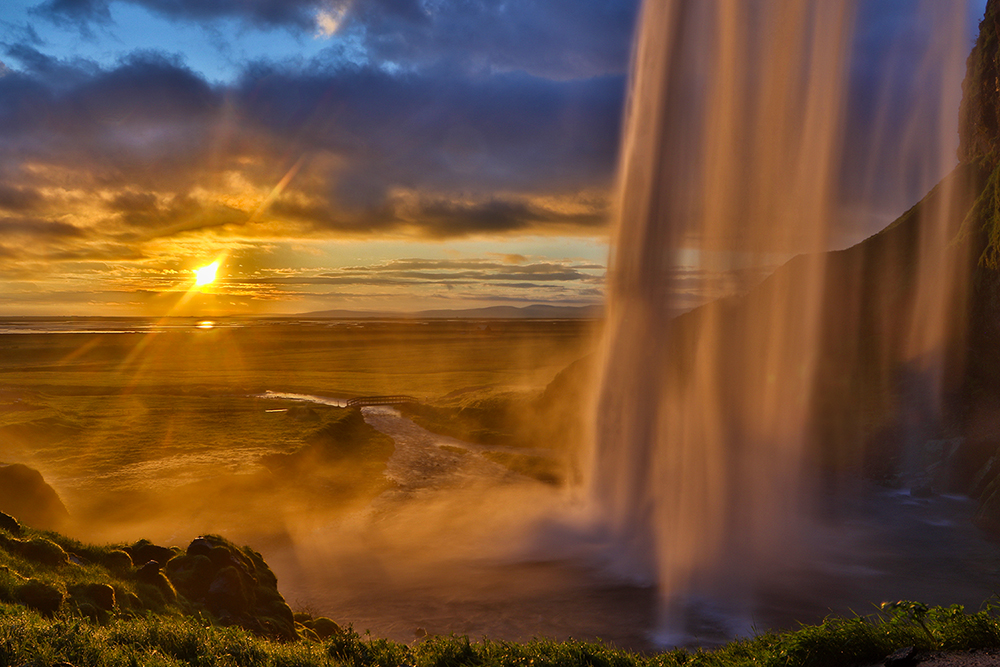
x=730 y=159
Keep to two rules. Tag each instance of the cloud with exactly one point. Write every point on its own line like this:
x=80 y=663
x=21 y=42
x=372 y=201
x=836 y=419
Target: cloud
x=20 y=33
x=266 y=14
x=149 y=150
x=38 y=229
x=560 y=39
x=19 y=199
x=458 y=272
x=79 y=13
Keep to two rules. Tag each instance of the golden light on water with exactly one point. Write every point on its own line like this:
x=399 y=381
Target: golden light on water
x=206 y=274
x=206 y=324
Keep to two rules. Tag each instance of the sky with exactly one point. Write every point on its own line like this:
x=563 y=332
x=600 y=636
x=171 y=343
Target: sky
x=351 y=154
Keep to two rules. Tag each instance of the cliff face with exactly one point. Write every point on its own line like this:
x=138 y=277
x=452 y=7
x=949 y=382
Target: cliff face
x=979 y=145
x=979 y=114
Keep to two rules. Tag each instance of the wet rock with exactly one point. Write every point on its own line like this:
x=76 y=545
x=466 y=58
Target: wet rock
x=200 y=546
x=904 y=657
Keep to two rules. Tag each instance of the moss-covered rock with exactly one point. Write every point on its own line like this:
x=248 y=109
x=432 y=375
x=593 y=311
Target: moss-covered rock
x=100 y=596
x=117 y=560
x=234 y=584
x=325 y=627
x=10 y=524
x=44 y=597
x=36 y=549
x=144 y=551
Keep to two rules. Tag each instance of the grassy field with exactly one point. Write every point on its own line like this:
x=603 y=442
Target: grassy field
x=29 y=638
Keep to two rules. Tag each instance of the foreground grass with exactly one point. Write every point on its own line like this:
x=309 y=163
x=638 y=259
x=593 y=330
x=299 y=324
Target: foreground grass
x=29 y=638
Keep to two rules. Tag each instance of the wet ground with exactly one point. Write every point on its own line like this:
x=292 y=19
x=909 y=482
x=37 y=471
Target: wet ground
x=465 y=546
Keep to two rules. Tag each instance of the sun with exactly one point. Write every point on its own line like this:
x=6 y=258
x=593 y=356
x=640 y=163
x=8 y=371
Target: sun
x=206 y=274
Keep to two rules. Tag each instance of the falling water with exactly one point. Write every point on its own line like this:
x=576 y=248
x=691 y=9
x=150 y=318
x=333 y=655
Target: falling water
x=704 y=468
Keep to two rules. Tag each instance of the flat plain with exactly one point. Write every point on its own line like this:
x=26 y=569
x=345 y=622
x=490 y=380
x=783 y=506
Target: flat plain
x=161 y=425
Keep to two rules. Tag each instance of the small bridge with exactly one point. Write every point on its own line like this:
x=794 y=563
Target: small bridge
x=362 y=401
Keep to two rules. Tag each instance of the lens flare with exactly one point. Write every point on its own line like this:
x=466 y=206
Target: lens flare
x=206 y=274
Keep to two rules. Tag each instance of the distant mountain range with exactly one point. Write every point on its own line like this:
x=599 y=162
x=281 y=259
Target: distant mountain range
x=535 y=311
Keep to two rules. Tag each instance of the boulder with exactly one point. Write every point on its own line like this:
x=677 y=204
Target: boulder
x=40 y=596
x=234 y=584
x=144 y=551
x=117 y=560
x=36 y=549
x=25 y=495
x=102 y=596
x=325 y=628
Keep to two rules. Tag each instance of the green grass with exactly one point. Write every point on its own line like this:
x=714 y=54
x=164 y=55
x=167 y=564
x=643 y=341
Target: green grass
x=168 y=621
x=27 y=637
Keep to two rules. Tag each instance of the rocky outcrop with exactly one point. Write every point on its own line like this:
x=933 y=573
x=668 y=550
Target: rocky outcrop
x=979 y=113
x=25 y=496
x=212 y=578
x=234 y=584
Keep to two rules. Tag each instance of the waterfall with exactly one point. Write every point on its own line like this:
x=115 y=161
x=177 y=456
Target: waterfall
x=704 y=469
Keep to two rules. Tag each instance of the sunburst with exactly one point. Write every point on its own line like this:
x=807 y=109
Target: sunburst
x=206 y=274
